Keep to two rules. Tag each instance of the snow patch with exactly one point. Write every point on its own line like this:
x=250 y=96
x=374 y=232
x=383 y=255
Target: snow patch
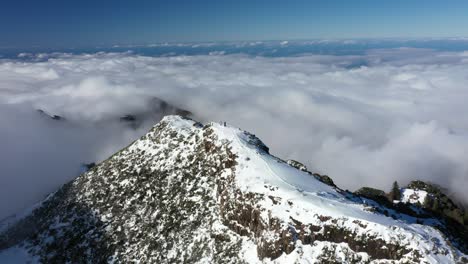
x=413 y=196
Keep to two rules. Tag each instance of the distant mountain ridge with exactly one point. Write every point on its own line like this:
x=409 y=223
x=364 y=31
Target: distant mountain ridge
x=153 y=110
x=193 y=193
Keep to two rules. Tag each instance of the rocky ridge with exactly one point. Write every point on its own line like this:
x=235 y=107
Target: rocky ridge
x=187 y=192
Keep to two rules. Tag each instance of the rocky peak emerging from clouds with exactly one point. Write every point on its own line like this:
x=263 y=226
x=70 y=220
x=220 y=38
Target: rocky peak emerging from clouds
x=187 y=192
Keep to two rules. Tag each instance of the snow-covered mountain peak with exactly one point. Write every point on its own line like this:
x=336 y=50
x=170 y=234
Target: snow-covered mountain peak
x=187 y=192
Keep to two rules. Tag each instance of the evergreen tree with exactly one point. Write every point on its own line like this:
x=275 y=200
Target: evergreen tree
x=428 y=202
x=395 y=193
x=435 y=206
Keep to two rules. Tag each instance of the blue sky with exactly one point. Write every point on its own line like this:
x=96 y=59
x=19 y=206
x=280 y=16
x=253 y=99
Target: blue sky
x=58 y=23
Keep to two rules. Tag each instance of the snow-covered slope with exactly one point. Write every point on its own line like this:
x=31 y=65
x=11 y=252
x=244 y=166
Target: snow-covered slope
x=192 y=193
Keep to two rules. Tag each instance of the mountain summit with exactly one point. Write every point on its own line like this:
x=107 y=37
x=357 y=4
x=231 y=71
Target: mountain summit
x=187 y=192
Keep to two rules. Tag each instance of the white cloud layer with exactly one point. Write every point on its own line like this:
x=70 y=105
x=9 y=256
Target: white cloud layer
x=400 y=117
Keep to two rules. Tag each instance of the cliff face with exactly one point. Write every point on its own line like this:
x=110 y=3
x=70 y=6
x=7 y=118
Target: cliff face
x=185 y=192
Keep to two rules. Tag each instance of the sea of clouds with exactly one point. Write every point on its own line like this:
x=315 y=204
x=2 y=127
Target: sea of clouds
x=365 y=120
